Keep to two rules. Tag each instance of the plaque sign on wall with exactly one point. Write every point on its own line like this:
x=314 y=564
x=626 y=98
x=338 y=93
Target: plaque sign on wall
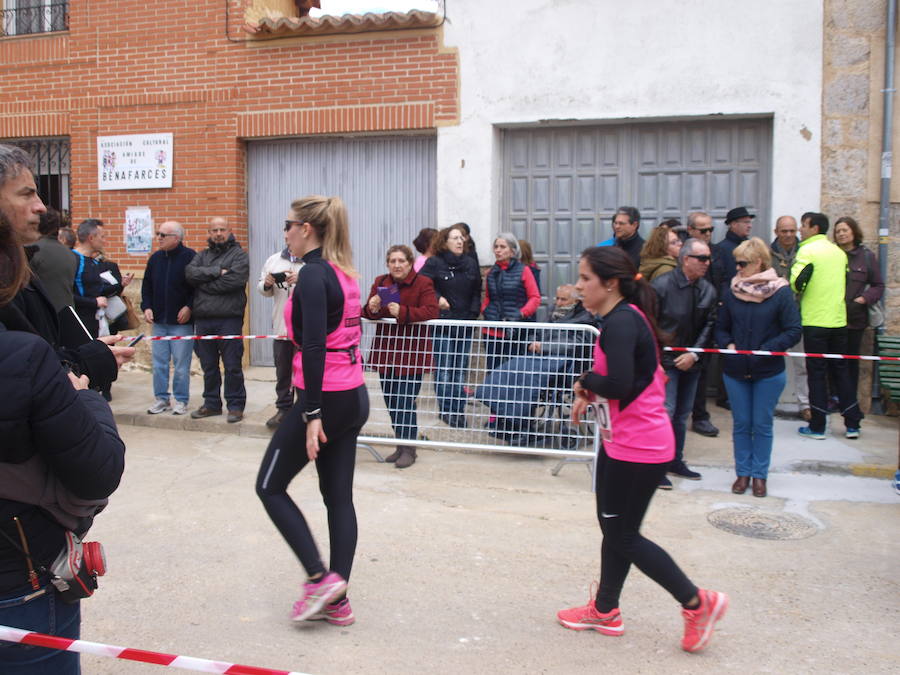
x=134 y=162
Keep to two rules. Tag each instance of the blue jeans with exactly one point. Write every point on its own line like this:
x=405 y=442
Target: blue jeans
x=47 y=614
x=400 y=393
x=179 y=352
x=753 y=410
x=231 y=352
x=680 y=391
x=452 y=345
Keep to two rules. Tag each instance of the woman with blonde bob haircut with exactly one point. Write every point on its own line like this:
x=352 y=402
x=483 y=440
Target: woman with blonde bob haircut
x=323 y=320
x=756 y=311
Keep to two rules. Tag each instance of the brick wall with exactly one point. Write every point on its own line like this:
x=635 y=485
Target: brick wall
x=131 y=67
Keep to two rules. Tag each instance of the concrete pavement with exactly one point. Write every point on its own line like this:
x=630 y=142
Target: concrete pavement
x=463 y=559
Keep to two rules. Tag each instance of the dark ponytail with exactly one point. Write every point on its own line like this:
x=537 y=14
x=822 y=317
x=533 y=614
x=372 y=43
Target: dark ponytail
x=611 y=262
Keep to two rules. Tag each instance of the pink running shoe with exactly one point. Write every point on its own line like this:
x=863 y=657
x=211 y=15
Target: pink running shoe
x=317 y=594
x=588 y=618
x=699 y=623
x=338 y=614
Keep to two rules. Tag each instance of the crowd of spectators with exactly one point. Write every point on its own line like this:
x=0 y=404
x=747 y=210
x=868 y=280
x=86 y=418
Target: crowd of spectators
x=806 y=293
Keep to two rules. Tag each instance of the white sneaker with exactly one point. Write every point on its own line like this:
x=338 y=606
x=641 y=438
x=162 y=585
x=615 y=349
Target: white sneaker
x=161 y=405
x=179 y=408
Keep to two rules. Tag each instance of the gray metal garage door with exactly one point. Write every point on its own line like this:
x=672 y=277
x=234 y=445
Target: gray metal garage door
x=387 y=182
x=561 y=185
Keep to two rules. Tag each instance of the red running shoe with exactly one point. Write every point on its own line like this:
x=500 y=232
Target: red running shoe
x=699 y=623
x=588 y=618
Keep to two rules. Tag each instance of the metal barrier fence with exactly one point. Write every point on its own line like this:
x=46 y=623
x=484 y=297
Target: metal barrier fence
x=477 y=385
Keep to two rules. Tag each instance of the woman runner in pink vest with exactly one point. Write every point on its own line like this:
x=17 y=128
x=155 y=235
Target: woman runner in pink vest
x=323 y=320
x=634 y=458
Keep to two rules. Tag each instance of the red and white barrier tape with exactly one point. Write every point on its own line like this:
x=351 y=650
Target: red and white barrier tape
x=754 y=352
x=763 y=352
x=217 y=337
x=98 y=649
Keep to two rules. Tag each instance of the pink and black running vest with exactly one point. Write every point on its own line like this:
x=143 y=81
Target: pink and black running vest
x=642 y=432
x=343 y=365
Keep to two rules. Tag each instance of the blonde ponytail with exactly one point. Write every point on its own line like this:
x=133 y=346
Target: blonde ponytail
x=328 y=215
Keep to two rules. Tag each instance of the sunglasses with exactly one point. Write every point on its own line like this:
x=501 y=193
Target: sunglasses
x=704 y=230
x=288 y=224
x=701 y=258
x=742 y=263
x=163 y=235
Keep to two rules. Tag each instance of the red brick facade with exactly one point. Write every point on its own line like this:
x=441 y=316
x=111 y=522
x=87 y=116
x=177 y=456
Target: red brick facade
x=127 y=67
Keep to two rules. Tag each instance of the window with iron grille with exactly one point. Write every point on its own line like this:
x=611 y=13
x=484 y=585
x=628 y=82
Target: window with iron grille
x=50 y=158
x=26 y=17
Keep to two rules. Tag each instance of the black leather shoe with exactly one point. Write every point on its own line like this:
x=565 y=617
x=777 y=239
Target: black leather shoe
x=275 y=420
x=203 y=411
x=705 y=428
x=664 y=484
x=681 y=469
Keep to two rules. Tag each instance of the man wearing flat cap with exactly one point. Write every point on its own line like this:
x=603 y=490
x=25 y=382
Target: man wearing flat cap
x=739 y=221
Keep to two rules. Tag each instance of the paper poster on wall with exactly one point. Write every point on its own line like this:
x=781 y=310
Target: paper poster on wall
x=134 y=162
x=138 y=230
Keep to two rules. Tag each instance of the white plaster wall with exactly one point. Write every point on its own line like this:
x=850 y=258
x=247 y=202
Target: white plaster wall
x=522 y=61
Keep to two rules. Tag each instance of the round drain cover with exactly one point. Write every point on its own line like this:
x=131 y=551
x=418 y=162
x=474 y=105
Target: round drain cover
x=750 y=522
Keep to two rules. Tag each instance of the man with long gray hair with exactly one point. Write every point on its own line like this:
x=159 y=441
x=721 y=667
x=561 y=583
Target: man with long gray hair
x=32 y=310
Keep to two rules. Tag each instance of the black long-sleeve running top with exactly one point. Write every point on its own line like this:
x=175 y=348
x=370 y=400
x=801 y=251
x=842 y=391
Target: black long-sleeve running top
x=631 y=356
x=318 y=305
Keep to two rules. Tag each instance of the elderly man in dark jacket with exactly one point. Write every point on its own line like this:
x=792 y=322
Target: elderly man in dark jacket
x=219 y=276
x=739 y=221
x=686 y=313
x=167 y=300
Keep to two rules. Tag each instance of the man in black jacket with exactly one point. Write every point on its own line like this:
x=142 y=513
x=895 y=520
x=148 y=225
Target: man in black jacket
x=686 y=313
x=167 y=300
x=60 y=459
x=739 y=221
x=626 y=222
x=53 y=262
x=219 y=276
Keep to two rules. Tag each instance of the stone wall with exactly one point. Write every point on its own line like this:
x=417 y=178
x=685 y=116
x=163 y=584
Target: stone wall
x=852 y=108
x=852 y=113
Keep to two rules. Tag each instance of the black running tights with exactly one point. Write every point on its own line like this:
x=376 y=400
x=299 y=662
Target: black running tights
x=624 y=490
x=343 y=415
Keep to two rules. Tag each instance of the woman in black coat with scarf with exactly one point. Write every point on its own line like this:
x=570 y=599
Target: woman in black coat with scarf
x=757 y=311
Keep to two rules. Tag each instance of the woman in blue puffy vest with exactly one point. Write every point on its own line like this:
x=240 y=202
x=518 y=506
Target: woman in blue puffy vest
x=511 y=294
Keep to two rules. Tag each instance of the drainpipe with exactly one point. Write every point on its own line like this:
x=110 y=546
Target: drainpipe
x=886 y=161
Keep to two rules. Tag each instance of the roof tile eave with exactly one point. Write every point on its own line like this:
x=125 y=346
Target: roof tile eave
x=345 y=23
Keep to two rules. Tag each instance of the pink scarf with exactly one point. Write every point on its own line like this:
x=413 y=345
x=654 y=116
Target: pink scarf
x=757 y=287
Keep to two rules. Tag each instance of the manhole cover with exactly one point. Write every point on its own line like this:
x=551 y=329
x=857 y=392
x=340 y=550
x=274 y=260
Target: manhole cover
x=749 y=522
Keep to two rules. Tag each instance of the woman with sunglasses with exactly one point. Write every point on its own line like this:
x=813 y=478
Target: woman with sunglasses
x=637 y=451
x=757 y=311
x=323 y=320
